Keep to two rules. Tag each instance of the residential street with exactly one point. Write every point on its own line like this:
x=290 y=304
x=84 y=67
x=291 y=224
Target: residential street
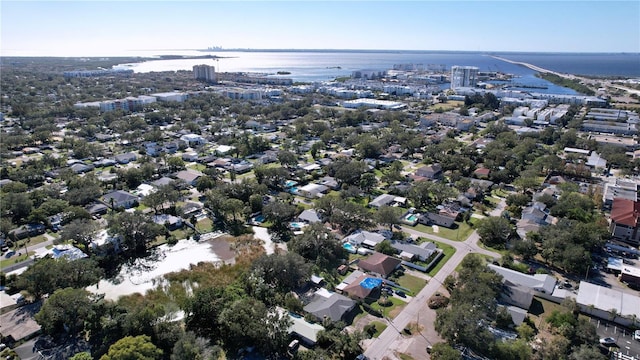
x=390 y=339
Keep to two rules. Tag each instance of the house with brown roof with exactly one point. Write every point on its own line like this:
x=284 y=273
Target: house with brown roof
x=379 y=264
x=624 y=220
x=357 y=290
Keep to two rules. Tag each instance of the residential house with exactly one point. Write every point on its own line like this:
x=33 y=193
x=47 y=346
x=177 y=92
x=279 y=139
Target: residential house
x=533 y=217
x=189 y=176
x=97 y=208
x=430 y=219
x=388 y=200
x=170 y=221
x=303 y=330
x=432 y=172
x=81 y=168
x=163 y=181
x=624 y=220
x=25 y=231
x=410 y=252
x=126 y=158
x=329 y=305
x=379 y=264
x=119 y=199
x=312 y=190
x=309 y=216
x=364 y=238
x=329 y=182
x=193 y=139
x=363 y=287
x=482 y=173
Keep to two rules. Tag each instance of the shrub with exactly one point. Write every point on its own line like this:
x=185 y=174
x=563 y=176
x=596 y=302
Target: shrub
x=438 y=301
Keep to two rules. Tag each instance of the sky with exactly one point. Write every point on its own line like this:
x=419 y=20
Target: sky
x=111 y=28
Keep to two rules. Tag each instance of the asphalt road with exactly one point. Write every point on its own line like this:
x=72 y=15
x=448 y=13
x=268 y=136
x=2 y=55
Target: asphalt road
x=624 y=340
x=382 y=346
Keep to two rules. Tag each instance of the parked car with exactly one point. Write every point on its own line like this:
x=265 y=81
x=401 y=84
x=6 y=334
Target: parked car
x=400 y=293
x=636 y=335
x=608 y=341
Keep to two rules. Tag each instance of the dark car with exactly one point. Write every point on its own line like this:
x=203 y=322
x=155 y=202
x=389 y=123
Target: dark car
x=400 y=293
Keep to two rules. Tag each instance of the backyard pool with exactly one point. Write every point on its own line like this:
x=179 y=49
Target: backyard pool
x=290 y=183
x=370 y=283
x=259 y=219
x=412 y=217
x=296 y=225
x=349 y=247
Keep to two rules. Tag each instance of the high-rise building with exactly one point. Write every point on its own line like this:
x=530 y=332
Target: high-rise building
x=464 y=76
x=205 y=72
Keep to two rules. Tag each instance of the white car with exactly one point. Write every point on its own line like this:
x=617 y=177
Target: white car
x=608 y=341
x=636 y=335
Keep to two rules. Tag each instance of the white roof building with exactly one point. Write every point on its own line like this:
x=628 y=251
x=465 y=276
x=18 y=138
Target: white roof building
x=601 y=301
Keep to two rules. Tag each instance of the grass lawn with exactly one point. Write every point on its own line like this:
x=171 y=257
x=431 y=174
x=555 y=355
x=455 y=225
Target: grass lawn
x=460 y=234
x=183 y=233
x=196 y=166
x=415 y=284
x=448 y=251
x=380 y=327
x=205 y=225
x=14 y=259
x=450 y=104
x=502 y=252
x=541 y=309
x=499 y=193
x=390 y=311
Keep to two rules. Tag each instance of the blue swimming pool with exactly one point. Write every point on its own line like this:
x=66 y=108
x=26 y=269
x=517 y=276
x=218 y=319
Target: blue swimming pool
x=290 y=183
x=370 y=283
x=412 y=217
x=296 y=225
x=259 y=218
x=349 y=248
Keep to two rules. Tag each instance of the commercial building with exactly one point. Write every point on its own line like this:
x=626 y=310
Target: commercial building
x=624 y=220
x=464 y=76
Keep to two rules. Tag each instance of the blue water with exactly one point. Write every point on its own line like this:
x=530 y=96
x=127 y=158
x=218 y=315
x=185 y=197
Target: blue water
x=290 y=183
x=412 y=217
x=296 y=225
x=349 y=248
x=370 y=283
x=327 y=65
x=259 y=218
x=312 y=66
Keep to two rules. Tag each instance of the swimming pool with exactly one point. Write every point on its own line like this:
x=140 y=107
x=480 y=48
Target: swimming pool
x=349 y=248
x=412 y=217
x=290 y=183
x=370 y=283
x=259 y=218
x=296 y=225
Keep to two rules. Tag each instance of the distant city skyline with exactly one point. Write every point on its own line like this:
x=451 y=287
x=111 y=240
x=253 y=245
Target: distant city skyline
x=122 y=28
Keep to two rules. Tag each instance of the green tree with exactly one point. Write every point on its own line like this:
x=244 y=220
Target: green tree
x=587 y=352
x=82 y=356
x=189 y=346
x=388 y=215
x=444 y=351
x=136 y=229
x=133 y=348
x=319 y=245
x=65 y=311
x=385 y=247
x=494 y=231
x=248 y=321
x=80 y=231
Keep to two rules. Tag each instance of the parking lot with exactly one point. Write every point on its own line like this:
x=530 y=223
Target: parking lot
x=624 y=337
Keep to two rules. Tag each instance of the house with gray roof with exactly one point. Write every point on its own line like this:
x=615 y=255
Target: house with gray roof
x=387 y=199
x=119 y=198
x=421 y=252
x=126 y=158
x=364 y=238
x=539 y=283
x=329 y=305
x=309 y=216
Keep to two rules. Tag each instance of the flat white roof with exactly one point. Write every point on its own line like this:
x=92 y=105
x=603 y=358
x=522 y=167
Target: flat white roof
x=605 y=299
x=630 y=270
